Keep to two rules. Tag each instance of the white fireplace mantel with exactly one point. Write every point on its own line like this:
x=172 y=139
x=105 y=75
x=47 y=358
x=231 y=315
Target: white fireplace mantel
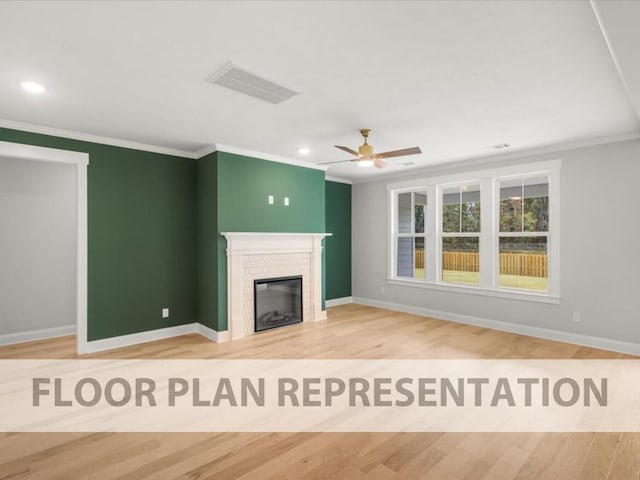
x=256 y=255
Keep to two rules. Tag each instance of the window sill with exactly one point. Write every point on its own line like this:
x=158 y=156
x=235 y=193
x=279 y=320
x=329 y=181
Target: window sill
x=512 y=295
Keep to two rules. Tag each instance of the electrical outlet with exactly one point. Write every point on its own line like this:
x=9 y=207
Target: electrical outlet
x=270 y=199
x=382 y=290
x=286 y=201
x=576 y=317
x=165 y=312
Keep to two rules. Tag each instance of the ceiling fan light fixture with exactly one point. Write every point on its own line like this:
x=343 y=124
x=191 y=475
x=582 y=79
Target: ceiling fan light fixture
x=365 y=150
x=365 y=157
x=367 y=162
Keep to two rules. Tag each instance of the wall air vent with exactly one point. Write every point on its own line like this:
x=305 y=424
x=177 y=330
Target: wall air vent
x=240 y=80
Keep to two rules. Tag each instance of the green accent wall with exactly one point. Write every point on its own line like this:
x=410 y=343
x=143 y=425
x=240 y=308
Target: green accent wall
x=142 y=235
x=244 y=183
x=207 y=234
x=154 y=224
x=338 y=246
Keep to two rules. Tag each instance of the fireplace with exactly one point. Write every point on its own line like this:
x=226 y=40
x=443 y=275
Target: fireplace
x=258 y=255
x=277 y=302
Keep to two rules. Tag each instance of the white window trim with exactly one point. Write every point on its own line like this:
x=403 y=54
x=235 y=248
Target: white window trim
x=440 y=234
x=489 y=218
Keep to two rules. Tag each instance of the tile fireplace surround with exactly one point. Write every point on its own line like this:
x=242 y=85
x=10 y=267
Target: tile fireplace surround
x=255 y=256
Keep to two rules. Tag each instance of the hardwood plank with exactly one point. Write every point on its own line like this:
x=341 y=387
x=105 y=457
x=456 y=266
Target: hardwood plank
x=352 y=331
x=508 y=464
x=598 y=462
x=571 y=458
x=626 y=460
x=542 y=457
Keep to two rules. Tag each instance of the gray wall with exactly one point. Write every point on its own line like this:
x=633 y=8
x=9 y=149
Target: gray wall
x=37 y=245
x=599 y=253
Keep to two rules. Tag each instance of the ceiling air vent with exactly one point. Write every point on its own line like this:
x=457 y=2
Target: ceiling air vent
x=498 y=146
x=240 y=80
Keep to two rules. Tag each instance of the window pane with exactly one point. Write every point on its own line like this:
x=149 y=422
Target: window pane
x=419 y=218
x=405 y=257
x=451 y=210
x=511 y=214
x=419 y=257
x=523 y=263
x=471 y=208
x=419 y=201
x=536 y=204
x=511 y=205
x=404 y=212
x=461 y=260
x=410 y=261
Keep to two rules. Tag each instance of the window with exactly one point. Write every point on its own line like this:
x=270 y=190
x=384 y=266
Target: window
x=460 y=238
x=411 y=228
x=524 y=227
x=493 y=232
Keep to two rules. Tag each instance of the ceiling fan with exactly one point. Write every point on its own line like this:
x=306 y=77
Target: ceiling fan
x=365 y=156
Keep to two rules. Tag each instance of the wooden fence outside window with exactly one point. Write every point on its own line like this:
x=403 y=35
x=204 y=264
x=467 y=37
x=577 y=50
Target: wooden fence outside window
x=511 y=263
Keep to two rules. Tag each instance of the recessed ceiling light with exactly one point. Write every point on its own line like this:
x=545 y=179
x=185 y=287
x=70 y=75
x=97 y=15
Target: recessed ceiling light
x=304 y=151
x=365 y=163
x=32 y=87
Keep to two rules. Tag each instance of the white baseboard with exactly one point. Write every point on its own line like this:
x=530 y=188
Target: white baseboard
x=152 y=336
x=33 y=335
x=211 y=334
x=338 y=301
x=539 y=332
x=136 y=338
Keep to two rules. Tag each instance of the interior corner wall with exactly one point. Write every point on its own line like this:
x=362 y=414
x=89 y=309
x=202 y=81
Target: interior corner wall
x=142 y=235
x=338 y=245
x=599 y=258
x=207 y=240
x=243 y=186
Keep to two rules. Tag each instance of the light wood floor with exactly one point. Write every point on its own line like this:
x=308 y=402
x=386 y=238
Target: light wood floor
x=352 y=331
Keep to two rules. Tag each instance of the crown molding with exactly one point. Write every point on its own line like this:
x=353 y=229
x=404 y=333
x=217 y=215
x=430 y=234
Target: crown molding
x=262 y=156
x=116 y=142
x=217 y=147
x=87 y=137
x=487 y=160
x=338 y=179
x=203 y=152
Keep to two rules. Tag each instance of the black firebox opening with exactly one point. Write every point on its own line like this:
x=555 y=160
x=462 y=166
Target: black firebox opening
x=277 y=302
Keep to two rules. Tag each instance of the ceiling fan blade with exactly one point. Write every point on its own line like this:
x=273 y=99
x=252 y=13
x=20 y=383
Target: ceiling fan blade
x=338 y=161
x=348 y=150
x=400 y=153
x=379 y=163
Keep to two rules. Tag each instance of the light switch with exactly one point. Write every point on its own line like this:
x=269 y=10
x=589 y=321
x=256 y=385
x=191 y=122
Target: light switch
x=286 y=201
x=270 y=199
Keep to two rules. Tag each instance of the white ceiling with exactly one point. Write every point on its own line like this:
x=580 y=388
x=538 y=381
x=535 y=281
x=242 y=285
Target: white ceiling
x=619 y=21
x=450 y=77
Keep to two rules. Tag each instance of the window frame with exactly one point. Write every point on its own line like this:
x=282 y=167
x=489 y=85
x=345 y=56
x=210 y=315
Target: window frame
x=441 y=234
x=489 y=182
x=523 y=234
x=412 y=233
